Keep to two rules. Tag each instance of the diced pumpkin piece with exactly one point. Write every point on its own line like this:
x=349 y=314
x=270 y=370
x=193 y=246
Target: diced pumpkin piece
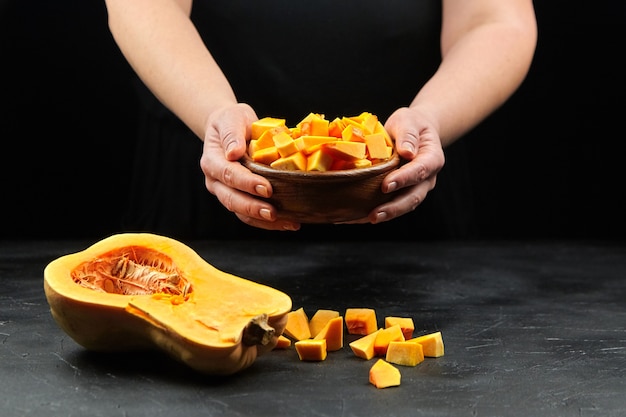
x=361 y=320
x=311 y=349
x=297 y=325
x=259 y=126
x=404 y=353
x=364 y=346
x=383 y=374
x=335 y=127
x=266 y=139
x=405 y=323
x=377 y=146
x=432 y=344
x=353 y=134
x=283 y=342
x=285 y=144
x=369 y=122
x=266 y=155
x=333 y=334
x=381 y=129
x=384 y=337
x=319 y=161
x=309 y=144
x=293 y=162
x=348 y=151
x=319 y=127
x=319 y=320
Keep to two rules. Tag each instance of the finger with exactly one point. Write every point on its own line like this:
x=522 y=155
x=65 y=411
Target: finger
x=250 y=210
x=405 y=202
x=234 y=175
x=428 y=162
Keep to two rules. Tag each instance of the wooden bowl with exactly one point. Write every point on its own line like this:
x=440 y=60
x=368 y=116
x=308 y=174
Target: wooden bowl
x=326 y=197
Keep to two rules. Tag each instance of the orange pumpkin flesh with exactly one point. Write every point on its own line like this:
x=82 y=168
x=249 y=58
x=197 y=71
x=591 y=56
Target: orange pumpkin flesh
x=136 y=291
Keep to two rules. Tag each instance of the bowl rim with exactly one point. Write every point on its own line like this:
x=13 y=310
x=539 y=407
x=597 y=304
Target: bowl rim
x=267 y=171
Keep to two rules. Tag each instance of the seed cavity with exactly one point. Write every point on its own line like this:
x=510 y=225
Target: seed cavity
x=133 y=270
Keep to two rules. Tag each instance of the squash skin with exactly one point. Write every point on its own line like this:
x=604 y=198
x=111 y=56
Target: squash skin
x=206 y=332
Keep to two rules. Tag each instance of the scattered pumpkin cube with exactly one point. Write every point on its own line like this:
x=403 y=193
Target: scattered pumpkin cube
x=259 y=126
x=283 y=342
x=297 y=325
x=364 y=346
x=432 y=344
x=311 y=349
x=353 y=134
x=361 y=320
x=383 y=375
x=404 y=353
x=385 y=336
x=319 y=320
x=406 y=324
x=333 y=333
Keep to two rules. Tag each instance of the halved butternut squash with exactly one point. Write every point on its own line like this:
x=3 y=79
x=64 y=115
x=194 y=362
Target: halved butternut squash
x=140 y=290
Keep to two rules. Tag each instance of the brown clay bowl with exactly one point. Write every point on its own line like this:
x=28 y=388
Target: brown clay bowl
x=326 y=197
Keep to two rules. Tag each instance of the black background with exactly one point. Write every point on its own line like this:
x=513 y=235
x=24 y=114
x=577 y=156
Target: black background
x=548 y=164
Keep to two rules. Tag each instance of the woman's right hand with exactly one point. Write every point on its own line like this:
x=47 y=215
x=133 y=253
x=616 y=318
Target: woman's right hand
x=236 y=188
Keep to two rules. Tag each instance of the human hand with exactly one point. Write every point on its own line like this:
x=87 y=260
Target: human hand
x=417 y=141
x=234 y=185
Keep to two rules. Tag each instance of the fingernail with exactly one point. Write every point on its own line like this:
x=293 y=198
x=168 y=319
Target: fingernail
x=265 y=213
x=261 y=190
x=381 y=216
x=392 y=187
x=230 y=147
x=291 y=227
x=408 y=146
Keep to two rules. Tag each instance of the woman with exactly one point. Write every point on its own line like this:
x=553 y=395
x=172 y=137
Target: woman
x=432 y=70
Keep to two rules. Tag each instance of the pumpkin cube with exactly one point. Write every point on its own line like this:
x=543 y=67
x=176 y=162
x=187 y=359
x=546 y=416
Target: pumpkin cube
x=319 y=161
x=432 y=344
x=309 y=144
x=283 y=342
x=404 y=353
x=377 y=146
x=353 y=134
x=383 y=375
x=297 y=325
x=311 y=349
x=405 y=323
x=348 y=151
x=333 y=334
x=266 y=155
x=319 y=320
x=293 y=162
x=259 y=126
x=384 y=337
x=285 y=144
x=361 y=320
x=364 y=346
x=335 y=127
x=319 y=127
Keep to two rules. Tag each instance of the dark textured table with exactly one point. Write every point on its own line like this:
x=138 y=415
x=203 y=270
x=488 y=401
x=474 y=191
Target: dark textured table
x=530 y=329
